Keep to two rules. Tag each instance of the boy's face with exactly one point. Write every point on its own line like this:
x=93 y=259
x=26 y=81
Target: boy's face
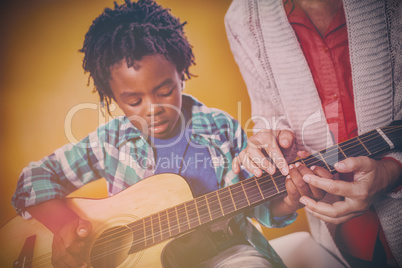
x=149 y=93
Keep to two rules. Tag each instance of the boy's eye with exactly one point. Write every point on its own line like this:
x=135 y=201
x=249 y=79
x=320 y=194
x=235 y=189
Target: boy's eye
x=135 y=103
x=166 y=94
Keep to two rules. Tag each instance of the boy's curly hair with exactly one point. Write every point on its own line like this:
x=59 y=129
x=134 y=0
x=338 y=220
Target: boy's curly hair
x=131 y=31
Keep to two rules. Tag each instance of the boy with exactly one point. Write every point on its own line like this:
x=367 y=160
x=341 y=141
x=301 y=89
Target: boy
x=138 y=56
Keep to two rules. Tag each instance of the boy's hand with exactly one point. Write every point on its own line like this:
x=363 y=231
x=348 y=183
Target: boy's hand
x=296 y=188
x=266 y=142
x=70 y=244
x=70 y=240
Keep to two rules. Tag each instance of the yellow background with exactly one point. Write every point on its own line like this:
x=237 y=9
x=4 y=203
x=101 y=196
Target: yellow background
x=42 y=81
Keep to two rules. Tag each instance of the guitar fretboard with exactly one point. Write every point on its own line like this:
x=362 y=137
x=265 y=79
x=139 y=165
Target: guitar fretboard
x=248 y=193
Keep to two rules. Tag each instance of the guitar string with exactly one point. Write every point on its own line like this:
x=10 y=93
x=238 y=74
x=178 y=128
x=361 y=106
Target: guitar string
x=395 y=128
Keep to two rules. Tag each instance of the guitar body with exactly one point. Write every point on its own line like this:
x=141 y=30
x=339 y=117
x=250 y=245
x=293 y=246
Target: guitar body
x=140 y=200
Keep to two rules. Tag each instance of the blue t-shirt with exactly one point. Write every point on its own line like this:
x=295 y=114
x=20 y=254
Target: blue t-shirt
x=180 y=156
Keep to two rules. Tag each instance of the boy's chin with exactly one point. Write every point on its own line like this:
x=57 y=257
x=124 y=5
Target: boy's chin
x=161 y=135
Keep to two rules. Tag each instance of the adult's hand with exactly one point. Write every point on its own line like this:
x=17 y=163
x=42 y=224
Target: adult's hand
x=262 y=144
x=371 y=178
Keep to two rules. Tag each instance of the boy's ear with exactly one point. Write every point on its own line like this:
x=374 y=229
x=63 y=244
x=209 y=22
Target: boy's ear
x=183 y=80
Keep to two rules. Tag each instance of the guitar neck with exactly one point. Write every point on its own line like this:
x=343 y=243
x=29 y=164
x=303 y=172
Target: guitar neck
x=369 y=144
x=251 y=192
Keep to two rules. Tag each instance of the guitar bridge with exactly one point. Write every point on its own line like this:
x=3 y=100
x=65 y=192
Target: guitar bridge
x=26 y=256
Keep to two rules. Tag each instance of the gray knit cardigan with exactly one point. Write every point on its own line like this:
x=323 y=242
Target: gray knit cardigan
x=283 y=94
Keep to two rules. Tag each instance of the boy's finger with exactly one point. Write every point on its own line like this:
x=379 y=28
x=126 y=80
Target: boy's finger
x=292 y=199
x=321 y=172
x=297 y=178
x=302 y=154
x=63 y=254
x=317 y=193
x=84 y=227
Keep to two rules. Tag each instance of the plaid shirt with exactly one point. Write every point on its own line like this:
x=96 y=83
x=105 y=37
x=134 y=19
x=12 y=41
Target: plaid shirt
x=121 y=154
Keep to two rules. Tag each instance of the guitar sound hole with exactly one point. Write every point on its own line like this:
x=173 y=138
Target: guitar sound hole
x=111 y=247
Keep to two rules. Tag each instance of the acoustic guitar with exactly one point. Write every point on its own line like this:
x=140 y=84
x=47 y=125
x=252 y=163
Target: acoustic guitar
x=140 y=226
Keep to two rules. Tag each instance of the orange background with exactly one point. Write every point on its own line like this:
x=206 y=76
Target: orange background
x=42 y=81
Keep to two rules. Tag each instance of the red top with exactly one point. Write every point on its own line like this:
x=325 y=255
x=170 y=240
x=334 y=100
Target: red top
x=328 y=59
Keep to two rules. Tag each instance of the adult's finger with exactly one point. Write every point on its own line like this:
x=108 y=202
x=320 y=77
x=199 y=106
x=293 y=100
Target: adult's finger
x=236 y=163
x=260 y=146
x=336 y=187
x=334 y=210
x=337 y=212
x=355 y=164
x=257 y=160
x=268 y=142
x=248 y=163
x=265 y=142
x=325 y=218
x=244 y=160
x=285 y=138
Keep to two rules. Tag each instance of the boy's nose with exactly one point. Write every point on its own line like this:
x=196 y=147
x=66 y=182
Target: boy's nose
x=155 y=109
